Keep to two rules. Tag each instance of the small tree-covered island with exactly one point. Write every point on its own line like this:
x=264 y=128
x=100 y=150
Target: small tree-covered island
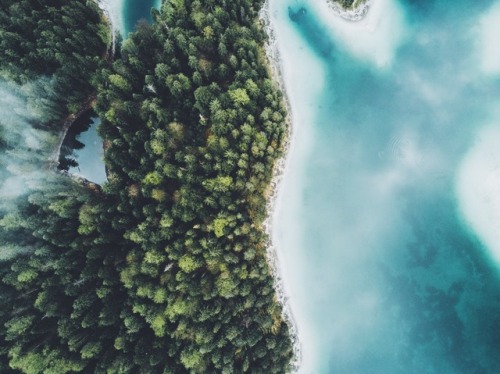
x=163 y=268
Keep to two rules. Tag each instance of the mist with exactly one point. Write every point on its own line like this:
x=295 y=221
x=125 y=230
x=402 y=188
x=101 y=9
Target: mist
x=384 y=269
x=27 y=138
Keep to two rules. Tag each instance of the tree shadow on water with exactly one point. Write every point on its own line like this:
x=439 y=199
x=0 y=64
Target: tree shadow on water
x=71 y=143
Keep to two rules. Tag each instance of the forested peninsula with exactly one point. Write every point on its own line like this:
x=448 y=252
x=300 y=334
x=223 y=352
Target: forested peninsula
x=163 y=268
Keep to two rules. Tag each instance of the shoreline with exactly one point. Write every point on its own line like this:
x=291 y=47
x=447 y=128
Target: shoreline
x=53 y=159
x=88 y=104
x=105 y=7
x=275 y=65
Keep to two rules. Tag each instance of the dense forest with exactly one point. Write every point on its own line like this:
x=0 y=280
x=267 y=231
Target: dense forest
x=63 y=42
x=163 y=269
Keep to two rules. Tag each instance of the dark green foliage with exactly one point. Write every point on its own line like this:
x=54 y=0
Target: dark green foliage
x=194 y=126
x=68 y=299
x=164 y=269
x=65 y=40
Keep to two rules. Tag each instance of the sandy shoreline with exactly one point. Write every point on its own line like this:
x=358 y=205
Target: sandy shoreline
x=274 y=60
x=280 y=167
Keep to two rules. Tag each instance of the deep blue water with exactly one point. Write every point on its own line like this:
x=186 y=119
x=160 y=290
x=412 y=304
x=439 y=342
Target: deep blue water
x=387 y=275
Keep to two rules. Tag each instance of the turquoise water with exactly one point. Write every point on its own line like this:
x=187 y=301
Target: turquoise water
x=386 y=221
x=134 y=10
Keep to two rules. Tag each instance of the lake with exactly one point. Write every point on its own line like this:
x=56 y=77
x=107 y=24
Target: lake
x=82 y=150
x=387 y=218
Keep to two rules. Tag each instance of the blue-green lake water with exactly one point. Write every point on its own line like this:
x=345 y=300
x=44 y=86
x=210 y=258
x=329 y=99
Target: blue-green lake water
x=134 y=10
x=387 y=218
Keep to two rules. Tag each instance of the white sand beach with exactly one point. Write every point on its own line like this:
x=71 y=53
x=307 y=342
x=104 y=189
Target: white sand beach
x=281 y=50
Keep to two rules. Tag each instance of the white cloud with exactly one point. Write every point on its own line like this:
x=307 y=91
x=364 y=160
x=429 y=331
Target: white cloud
x=489 y=40
x=478 y=188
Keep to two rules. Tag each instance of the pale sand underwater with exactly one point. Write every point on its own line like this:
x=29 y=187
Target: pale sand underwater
x=380 y=264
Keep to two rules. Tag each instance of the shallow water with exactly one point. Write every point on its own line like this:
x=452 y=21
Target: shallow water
x=386 y=221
